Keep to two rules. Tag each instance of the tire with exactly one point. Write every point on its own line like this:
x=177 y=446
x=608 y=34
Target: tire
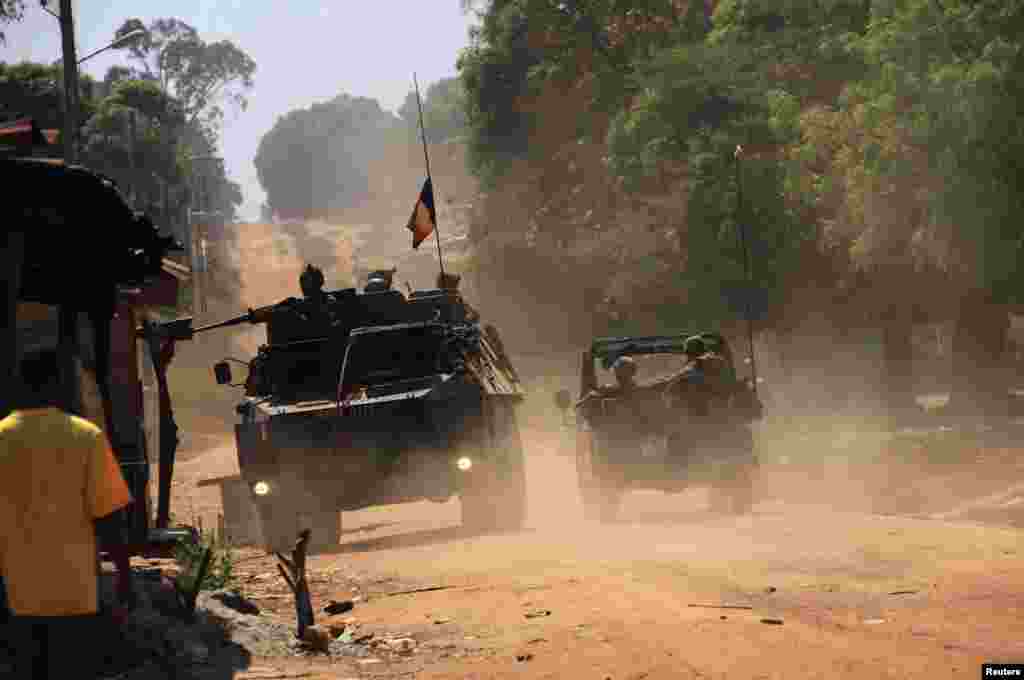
x=600 y=497
x=295 y=505
x=493 y=495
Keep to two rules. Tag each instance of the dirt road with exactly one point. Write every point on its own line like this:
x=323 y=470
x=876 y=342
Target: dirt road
x=828 y=593
x=824 y=588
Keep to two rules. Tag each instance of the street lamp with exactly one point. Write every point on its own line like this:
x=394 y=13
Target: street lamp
x=123 y=39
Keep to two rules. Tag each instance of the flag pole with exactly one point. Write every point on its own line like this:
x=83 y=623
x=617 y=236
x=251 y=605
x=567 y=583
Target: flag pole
x=426 y=158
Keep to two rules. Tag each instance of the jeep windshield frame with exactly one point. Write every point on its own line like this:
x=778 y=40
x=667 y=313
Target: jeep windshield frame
x=607 y=350
x=380 y=355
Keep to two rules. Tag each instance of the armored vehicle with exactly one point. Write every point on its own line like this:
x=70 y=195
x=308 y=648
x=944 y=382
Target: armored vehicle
x=372 y=397
x=677 y=427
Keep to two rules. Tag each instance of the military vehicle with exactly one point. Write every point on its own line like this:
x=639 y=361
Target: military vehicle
x=372 y=397
x=669 y=432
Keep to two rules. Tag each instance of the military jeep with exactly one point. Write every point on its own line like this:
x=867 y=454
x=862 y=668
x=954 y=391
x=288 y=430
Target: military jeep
x=673 y=429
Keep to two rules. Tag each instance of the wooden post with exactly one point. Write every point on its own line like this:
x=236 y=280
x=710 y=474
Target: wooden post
x=68 y=347
x=12 y=255
x=161 y=351
x=295 y=577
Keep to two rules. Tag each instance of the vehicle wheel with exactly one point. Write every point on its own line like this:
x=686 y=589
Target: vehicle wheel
x=600 y=497
x=493 y=496
x=293 y=505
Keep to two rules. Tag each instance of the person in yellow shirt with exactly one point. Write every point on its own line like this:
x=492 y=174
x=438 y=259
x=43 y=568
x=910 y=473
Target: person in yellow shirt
x=58 y=478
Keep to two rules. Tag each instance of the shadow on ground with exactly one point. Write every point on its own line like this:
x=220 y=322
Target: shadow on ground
x=105 y=650
x=417 y=539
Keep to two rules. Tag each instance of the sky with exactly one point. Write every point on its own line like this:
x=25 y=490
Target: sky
x=305 y=51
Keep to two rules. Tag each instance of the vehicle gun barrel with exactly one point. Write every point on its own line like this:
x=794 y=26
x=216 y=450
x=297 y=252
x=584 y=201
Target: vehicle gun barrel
x=182 y=329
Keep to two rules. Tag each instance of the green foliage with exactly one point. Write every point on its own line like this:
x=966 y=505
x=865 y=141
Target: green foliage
x=32 y=89
x=494 y=71
x=444 y=111
x=201 y=76
x=314 y=161
x=951 y=74
x=221 y=572
x=880 y=133
x=698 y=103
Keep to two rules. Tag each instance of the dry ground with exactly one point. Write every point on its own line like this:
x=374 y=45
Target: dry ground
x=859 y=595
x=875 y=570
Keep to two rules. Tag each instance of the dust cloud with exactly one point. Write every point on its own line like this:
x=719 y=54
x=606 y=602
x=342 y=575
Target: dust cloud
x=826 y=439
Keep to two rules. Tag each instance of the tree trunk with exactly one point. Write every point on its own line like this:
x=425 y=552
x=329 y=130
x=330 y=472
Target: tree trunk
x=979 y=345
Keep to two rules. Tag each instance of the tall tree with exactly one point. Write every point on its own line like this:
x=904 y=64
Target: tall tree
x=313 y=161
x=444 y=111
x=10 y=11
x=202 y=76
x=948 y=83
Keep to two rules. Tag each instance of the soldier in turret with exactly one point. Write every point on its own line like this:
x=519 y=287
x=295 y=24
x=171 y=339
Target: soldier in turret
x=315 y=304
x=450 y=283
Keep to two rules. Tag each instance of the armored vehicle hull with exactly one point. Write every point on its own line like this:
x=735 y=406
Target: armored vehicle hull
x=652 y=437
x=393 y=400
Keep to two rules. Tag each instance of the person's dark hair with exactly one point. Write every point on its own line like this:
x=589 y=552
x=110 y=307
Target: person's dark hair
x=40 y=372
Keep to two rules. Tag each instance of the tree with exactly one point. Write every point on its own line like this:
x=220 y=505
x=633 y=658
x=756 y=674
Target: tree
x=36 y=90
x=947 y=79
x=200 y=75
x=444 y=111
x=134 y=136
x=10 y=11
x=313 y=161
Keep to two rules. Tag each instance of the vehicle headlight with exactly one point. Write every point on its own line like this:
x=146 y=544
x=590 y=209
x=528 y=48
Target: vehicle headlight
x=464 y=463
x=261 y=488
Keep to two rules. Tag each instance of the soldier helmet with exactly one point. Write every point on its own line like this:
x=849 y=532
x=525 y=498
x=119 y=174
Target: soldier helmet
x=380 y=279
x=311 y=281
x=694 y=346
x=624 y=368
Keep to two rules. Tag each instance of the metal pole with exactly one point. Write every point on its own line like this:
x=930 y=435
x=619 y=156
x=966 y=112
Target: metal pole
x=67 y=33
x=132 y=138
x=426 y=158
x=741 y=224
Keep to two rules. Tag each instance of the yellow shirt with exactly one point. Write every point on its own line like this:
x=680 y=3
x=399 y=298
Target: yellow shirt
x=57 y=475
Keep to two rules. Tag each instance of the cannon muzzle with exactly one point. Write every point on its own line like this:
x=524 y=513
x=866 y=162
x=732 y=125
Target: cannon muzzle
x=182 y=329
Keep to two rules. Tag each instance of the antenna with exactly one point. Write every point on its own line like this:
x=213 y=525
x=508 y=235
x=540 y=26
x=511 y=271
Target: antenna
x=430 y=181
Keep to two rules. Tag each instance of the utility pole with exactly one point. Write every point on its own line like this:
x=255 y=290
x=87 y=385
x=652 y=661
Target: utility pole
x=67 y=34
x=132 y=138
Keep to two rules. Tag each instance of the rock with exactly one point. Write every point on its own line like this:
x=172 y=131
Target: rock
x=538 y=613
x=523 y=657
x=402 y=645
x=337 y=626
x=773 y=622
x=317 y=637
x=335 y=608
x=235 y=601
